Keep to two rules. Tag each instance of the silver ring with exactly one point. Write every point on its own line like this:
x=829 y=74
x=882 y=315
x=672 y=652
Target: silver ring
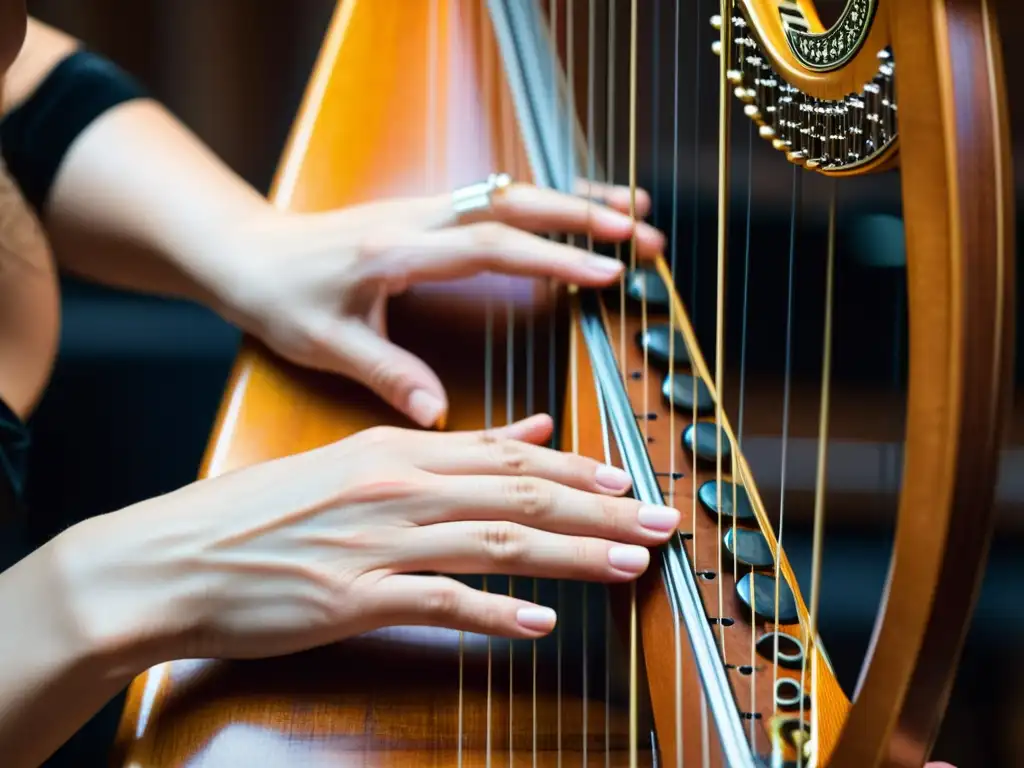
x=478 y=197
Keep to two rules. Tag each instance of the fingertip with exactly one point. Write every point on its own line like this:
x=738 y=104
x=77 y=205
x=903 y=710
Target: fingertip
x=536 y=619
x=534 y=429
x=628 y=561
x=612 y=479
x=643 y=202
x=620 y=198
x=651 y=241
x=538 y=428
x=427 y=409
x=603 y=270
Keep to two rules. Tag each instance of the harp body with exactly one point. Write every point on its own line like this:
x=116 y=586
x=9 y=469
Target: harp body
x=416 y=96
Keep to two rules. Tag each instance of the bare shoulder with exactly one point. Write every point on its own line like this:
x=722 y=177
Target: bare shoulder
x=43 y=49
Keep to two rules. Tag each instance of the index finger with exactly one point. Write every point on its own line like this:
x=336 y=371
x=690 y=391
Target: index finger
x=541 y=210
x=600 y=209
x=515 y=450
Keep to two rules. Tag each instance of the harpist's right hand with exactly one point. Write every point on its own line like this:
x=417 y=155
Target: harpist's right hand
x=310 y=549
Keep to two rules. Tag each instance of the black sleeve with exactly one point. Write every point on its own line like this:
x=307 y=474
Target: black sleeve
x=35 y=137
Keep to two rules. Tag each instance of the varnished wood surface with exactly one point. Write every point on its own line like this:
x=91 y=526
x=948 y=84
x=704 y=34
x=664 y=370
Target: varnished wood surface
x=957 y=195
x=365 y=131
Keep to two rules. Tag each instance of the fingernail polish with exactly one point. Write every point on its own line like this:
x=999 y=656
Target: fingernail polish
x=426 y=408
x=612 y=478
x=536 y=618
x=660 y=519
x=627 y=558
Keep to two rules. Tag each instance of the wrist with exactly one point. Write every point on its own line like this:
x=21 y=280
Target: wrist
x=109 y=605
x=45 y=634
x=224 y=260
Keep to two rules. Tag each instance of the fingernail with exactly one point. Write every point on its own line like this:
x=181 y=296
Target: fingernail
x=536 y=618
x=612 y=478
x=660 y=519
x=606 y=266
x=626 y=558
x=427 y=409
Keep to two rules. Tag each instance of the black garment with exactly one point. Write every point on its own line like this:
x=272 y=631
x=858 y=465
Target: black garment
x=34 y=140
x=35 y=137
x=14 y=444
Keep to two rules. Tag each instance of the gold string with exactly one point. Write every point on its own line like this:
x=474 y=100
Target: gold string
x=591 y=179
x=552 y=295
x=489 y=75
x=810 y=646
x=676 y=628
x=633 y=683
x=724 y=113
x=508 y=151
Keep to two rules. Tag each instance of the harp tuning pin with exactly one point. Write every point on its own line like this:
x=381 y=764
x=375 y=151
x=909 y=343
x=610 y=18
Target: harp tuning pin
x=812 y=164
x=735 y=77
x=716 y=21
x=798 y=157
x=751 y=111
x=746 y=95
x=780 y=144
x=766 y=132
x=716 y=47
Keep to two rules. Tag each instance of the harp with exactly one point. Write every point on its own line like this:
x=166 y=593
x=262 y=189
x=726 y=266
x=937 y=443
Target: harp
x=714 y=657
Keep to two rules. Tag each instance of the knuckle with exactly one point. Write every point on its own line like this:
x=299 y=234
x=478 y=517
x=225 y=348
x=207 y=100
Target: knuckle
x=383 y=378
x=617 y=516
x=510 y=456
x=530 y=497
x=371 y=247
x=502 y=543
x=490 y=235
x=441 y=601
x=583 y=556
x=381 y=436
x=492 y=619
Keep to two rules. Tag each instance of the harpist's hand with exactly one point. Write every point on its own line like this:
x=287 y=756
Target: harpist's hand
x=314 y=287
x=313 y=548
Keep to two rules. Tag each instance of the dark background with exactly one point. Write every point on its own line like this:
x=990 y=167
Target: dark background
x=139 y=380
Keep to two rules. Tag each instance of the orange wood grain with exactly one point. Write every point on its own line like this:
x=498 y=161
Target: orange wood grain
x=407 y=97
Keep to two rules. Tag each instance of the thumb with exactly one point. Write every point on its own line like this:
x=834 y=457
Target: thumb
x=400 y=378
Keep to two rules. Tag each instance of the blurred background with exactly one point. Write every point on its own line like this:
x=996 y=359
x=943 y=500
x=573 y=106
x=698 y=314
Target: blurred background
x=139 y=380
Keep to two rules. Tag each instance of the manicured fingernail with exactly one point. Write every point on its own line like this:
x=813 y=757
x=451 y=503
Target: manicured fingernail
x=606 y=266
x=426 y=408
x=612 y=478
x=536 y=618
x=660 y=519
x=625 y=558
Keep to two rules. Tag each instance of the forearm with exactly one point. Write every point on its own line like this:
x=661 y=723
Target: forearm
x=139 y=204
x=51 y=679
x=136 y=200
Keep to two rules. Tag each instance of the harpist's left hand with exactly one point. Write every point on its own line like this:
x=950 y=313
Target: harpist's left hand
x=314 y=287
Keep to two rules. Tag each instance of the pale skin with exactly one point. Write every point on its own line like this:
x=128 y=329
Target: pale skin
x=333 y=536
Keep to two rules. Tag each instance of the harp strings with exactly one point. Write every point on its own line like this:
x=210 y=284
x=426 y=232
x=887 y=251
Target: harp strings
x=591 y=179
x=822 y=476
x=489 y=76
x=633 y=683
x=786 y=389
x=610 y=175
x=509 y=153
x=677 y=640
x=737 y=472
x=737 y=480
